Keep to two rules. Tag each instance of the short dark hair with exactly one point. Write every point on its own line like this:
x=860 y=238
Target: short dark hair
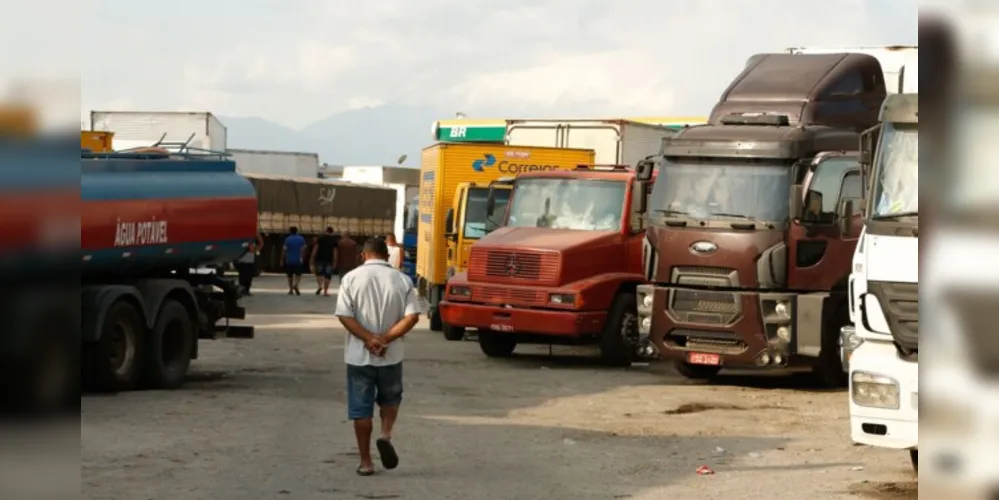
x=329 y=229
x=293 y=230
x=376 y=247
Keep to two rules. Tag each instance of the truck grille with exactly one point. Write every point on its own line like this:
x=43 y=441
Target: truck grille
x=719 y=342
x=515 y=266
x=506 y=295
x=707 y=307
x=900 y=303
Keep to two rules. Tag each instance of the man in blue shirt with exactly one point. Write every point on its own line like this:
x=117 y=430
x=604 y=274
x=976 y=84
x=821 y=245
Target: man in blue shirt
x=293 y=258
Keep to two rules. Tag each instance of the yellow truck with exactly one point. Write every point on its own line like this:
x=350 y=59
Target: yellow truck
x=96 y=141
x=454 y=185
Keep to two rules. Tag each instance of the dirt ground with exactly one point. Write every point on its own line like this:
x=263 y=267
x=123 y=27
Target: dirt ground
x=266 y=419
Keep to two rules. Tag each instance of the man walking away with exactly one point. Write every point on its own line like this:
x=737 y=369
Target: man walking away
x=346 y=254
x=324 y=261
x=395 y=251
x=293 y=257
x=377 y=305
x=246 y=266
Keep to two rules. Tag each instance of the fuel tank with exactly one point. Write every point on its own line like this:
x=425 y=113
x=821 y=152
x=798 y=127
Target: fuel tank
x=148 y=214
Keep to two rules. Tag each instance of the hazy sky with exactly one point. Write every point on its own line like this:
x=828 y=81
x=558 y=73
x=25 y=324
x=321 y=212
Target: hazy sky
x=298 y=61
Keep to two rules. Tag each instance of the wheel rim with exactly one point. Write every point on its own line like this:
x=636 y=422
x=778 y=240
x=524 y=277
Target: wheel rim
x=629 y=328
x=122 y=343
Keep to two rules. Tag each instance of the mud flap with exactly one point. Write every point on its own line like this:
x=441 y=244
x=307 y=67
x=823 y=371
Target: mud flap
x=808 y=324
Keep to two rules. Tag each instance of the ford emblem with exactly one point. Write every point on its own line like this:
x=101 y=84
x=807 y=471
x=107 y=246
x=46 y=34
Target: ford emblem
x=703 y=247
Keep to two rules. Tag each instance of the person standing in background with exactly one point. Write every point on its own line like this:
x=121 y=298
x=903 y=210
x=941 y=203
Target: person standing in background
x=394 y=251
x=347 y=256
x=246 y=266
x=293 y=258
x=324 y=261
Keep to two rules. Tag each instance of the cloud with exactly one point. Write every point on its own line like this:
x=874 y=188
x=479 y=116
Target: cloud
x=298 y=62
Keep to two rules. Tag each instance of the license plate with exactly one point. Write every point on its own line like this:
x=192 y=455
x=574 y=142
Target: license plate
x=699 y=358
x=497 y=327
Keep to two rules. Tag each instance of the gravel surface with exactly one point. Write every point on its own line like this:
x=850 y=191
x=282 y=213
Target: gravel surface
x=266 y=419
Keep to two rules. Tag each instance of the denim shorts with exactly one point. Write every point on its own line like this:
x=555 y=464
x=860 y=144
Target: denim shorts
x=324 y=269
x=367 y=385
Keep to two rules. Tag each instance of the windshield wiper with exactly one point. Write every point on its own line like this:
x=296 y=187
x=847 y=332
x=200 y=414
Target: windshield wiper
x=752 y=219
x=896 y=215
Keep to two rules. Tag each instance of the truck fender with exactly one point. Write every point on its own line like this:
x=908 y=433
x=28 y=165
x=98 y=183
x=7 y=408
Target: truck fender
x=146 y=295
x=95 y=302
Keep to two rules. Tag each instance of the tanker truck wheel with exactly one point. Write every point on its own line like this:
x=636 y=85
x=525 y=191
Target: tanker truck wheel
x=171 y=344
x=496 y=346
x=115 y=361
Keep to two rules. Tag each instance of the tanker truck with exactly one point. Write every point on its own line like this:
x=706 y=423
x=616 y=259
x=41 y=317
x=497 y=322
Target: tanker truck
x=132 y=230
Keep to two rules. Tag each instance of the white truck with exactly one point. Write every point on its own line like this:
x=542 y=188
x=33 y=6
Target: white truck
x=279 y=163
x=894 y=61
x=405 y=181
x=881 y=346
x=616 y=142
x=135 y=129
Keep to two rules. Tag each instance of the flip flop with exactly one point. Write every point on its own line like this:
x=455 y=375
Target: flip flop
x=361 y=471
x=390 y=459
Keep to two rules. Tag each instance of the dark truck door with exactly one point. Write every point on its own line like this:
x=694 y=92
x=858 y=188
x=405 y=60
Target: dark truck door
x=820 y=254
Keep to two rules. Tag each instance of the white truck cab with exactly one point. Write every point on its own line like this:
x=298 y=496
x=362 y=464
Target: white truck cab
x=881 y=346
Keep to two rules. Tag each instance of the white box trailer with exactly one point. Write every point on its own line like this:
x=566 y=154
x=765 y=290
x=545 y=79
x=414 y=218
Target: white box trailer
x=280 y=163
x=133 y=129
x=616 y=142
x=405 y=181
x=893 y=60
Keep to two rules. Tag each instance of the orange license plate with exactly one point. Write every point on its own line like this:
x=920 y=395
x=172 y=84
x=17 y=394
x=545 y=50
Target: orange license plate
x=700 y=358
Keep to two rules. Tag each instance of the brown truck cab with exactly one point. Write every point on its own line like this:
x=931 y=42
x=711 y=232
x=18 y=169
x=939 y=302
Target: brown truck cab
x=753 y=219
x=563 y=268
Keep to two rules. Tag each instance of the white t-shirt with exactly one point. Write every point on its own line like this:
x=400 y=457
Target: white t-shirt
x=395 y=257
x=377 y=296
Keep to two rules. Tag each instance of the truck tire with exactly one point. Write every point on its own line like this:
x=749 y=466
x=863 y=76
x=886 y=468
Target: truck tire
x=170 y=347
x=50 y=381
x=436 y=323
x=828 y=370
x=696 y=372
x=453 y=333
x=496 y=346
x=914 y=458
x=115 y=361
x=617 y=347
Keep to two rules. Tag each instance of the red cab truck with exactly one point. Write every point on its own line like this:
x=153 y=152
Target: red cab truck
x=562 y=270
x=754 y=218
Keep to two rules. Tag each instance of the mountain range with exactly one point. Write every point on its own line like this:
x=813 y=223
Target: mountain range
x=366 y=136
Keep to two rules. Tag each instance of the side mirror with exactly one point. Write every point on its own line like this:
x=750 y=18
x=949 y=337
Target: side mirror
x=812 y=212
x=795 y=202
x=644 y=169
x=845 y=219
x=639 y=197
x=491 y=202
x=449 y=222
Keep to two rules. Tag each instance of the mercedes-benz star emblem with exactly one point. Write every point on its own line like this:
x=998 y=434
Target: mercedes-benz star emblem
x=511 y=265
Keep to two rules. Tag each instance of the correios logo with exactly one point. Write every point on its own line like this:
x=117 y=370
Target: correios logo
x=510 y=167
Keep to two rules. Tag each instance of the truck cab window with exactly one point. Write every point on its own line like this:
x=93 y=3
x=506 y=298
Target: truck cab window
x=477 y=224
x=827 y=179
x=853 y=190
x=852 y=84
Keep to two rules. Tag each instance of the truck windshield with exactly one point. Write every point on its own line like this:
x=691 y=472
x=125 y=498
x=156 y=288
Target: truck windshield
x=568 y=204
x=722 y=190
x=897 y=187
x=412 y=216
x=477 y=224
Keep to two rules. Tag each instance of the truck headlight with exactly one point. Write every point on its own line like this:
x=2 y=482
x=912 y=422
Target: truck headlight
x=565 y=299
x=784 y=333
x=647 y=301
x=874 y=391
x=460 y=291
x=782 y=309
